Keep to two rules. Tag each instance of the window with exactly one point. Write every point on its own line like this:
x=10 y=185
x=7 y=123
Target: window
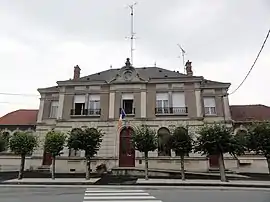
x=74 y=153
x=163 y=142
x=54 y=109
x=209 y=105
x=178 y=103
x=162 y=103
x=94 y=105
x=127 y=103
x=79 y=104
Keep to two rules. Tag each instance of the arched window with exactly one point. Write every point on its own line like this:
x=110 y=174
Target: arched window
x=163 y=140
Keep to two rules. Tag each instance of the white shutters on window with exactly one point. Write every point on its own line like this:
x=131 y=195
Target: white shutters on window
x=79 y=99
x=209 y=102
x=162 y=96
x=178 y=100
x=209 y=105
x=54 y=109
x=94 y=97
x=127 y=97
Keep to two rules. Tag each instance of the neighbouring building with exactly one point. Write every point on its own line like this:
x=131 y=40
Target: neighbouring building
x=19 y=120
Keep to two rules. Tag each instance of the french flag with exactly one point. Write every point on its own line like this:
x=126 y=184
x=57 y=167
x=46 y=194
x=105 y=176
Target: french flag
x=122 y=116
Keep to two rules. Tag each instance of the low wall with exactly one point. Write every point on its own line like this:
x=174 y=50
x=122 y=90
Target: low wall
x=252 y=164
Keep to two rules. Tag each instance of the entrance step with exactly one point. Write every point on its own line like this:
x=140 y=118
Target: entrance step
x=43 y=168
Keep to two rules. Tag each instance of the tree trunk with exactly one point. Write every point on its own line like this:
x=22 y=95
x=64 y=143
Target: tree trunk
x=88 y=168
x=182 y=163
x=21 y=167
x=146 y=165
x=221 y=167
x=268 y=163
x=53 y=167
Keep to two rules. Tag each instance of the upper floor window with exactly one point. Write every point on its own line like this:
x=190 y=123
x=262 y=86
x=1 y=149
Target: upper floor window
x=94 y=104
x=54 y=109
x=79 y=104
x=162 y=103
x=209 y=106
x=178 y=103
x=128 y=103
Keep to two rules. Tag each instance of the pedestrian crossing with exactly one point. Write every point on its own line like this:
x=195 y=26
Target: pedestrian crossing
x=117 y=195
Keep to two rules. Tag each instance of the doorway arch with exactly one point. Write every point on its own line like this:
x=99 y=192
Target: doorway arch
x=126 y=150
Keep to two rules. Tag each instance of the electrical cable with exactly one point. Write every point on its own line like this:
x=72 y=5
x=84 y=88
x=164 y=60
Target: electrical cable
x=252 y=65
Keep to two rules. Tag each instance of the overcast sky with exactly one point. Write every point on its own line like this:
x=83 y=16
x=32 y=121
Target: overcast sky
x=42 y=40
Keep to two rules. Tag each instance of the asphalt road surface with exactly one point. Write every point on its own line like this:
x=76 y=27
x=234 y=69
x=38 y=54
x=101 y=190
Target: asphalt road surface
x=79 y=194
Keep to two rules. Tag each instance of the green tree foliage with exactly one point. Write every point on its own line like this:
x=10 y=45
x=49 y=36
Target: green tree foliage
x=4 y=140
x=89 y=140
x=216 y=139
x=22 y=143
x=258 y=140
x=54 y=144
x=144 y=139
x=181 y=142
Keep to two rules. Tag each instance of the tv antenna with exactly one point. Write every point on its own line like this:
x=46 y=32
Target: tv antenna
x=132 y=33
x=183 y=55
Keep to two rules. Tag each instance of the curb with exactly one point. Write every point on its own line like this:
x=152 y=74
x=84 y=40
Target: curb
x=225 y=184
x=46 y=183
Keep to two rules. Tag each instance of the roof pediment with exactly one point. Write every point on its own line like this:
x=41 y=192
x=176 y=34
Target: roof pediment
x=127 y=74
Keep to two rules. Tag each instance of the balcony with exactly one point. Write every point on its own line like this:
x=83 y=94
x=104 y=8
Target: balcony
x=128 y=111
x=178 y=111
x=85 y=112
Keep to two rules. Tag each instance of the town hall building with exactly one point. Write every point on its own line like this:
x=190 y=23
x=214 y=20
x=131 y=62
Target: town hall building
x=159 y=98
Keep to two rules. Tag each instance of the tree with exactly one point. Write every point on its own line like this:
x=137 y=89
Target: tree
x=89 y=140
x=4 y=140
x=54 y=144
x=22 y=143
x=218 y=139
x=258 y=140
x=144 y=139
x=181 y=142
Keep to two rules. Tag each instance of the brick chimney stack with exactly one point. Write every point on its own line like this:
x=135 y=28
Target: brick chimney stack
x=189 y=68
x=77 y=72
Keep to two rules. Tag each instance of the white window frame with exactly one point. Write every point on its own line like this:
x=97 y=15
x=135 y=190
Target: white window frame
x=209 y=106
x=163 y=98
x=94 y=103
x=54 y=109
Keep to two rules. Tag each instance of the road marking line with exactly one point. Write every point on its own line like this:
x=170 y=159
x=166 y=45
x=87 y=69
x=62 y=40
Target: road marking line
x=117 y=194
x=112 y=190
x=125 y=201
x=119 y=197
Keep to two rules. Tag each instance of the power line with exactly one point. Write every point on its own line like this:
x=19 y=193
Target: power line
x=252 y=64
x=19 y=94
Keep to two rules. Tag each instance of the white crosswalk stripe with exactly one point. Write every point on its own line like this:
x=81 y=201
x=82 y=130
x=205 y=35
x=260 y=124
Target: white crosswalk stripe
x=117 y=195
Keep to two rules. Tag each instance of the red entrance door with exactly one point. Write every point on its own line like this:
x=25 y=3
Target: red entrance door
x=213 y=161
x=126 y=151
x=47 y=159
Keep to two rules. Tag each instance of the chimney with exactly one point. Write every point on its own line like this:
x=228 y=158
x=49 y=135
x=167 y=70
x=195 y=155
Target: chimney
x=189 y=68
x=77 y=72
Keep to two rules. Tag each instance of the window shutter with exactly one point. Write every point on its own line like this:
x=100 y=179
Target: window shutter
x=162 y=96
x=79 y=99
x=94 y=97
x=127 y=97
x=209 y=102
x=178 y=100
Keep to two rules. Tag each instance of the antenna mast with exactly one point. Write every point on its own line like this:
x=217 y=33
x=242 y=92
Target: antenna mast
x=132 y=34
x=183 y=56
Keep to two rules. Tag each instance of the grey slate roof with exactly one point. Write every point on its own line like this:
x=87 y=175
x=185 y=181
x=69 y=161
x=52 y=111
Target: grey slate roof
x=144 y=72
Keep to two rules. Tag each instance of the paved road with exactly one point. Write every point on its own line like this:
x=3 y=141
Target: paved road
x=73 y=194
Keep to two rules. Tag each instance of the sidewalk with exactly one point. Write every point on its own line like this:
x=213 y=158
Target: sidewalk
x=178 y=182
x=140 y=182
x=49 y=181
